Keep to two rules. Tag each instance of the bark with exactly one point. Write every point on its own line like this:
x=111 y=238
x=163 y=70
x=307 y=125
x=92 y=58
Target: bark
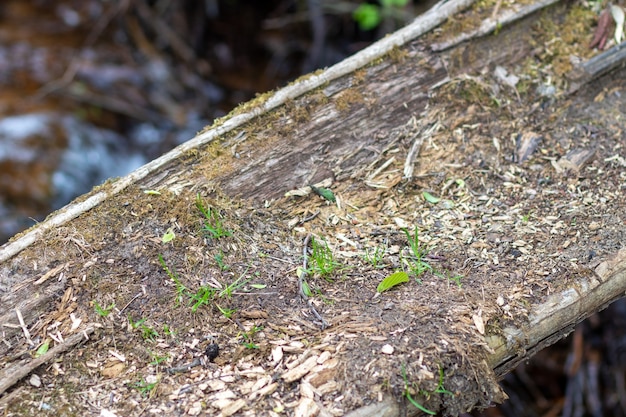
x=381 y=90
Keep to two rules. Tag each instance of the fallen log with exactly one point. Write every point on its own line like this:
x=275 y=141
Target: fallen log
x=220 y=263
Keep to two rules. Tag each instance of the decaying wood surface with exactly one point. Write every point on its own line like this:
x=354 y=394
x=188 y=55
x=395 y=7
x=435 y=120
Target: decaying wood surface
x=358 y=124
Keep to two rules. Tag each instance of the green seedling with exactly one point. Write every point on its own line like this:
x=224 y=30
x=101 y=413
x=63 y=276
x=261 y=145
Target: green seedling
x=306 y=289
x=376 y=257
x=392 y=280
x=235 y=285
x=526 y=217
x=158 y=359
x=440 y=389
x=203 y=296
x=456 y=279
x=145 y=388
x=103 y=312
x=168 y=330
x=181 y=290
x=219 y=260
x=213 y=226
x=226 y=312
x=416 y=264
x=322 y=259
x=258 y=286
x=408 y=396
x=247 y=336
x=147 y=332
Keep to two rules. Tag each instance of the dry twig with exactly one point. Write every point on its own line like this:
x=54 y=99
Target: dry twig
x=15 y=373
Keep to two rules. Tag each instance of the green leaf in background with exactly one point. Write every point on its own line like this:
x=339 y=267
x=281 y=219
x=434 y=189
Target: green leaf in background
x=168 y=236
x=324 y=193
x=367 y=16
x=151 y=192
x=397 y=3
x=430 y=198
x=42 y=349
x=392 y=280
x=306 y=289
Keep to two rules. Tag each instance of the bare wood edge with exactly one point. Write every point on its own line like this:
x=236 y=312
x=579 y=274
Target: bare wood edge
x=561 y=311
x=490 y=25
x=420 y=25
x=14 y=374
x=597 y=66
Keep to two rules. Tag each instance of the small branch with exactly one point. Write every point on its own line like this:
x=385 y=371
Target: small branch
x=415 y=150
x=492 y=24
x=184 y=368
x=16 y=373
x=596 y=66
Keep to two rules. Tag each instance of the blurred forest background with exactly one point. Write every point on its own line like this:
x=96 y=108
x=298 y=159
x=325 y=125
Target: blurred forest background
x=92 y=89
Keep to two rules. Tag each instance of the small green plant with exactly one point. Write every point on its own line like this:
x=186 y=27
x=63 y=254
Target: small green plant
x=213 y=226
x=322 y=259
x=375 y=258
x=417 y=265
x=203 y=296
x=235 y=285
x=325 y=299
x=440 y=389
x=456 y=278
x=168 y=236
x=168 y=330
x=145 y=388
x=526 y=217
x=147 y=332
x=226 y=312
x=407 y=394
x=103 y=311
x=181 y=290
x=157 y=359
x=247 y=337
x=219 y=260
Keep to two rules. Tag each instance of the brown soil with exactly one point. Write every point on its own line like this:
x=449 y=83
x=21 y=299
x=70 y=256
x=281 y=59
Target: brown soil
x=505 y=232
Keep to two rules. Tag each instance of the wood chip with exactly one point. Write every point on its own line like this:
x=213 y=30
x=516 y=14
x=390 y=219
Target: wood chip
x=300 y=370
x=306 y=408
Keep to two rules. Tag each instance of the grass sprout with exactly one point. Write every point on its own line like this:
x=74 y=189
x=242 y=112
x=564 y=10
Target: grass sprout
x=181 y=290
x=456 y=278
x=213 y=225
x=416 y=264
x=146 y=388
x=229 y=290
x=408 y=396
x=147 y=332
x=203 y=296
x=103 y=311
x=322 y=260
x=375 y=257
x=247 y=337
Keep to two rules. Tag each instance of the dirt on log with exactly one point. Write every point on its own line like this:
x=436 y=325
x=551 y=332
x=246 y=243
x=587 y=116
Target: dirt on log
x=386 y=237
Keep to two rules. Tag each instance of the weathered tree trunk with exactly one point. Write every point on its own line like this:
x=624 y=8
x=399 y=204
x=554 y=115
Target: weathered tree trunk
x=418 y=111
